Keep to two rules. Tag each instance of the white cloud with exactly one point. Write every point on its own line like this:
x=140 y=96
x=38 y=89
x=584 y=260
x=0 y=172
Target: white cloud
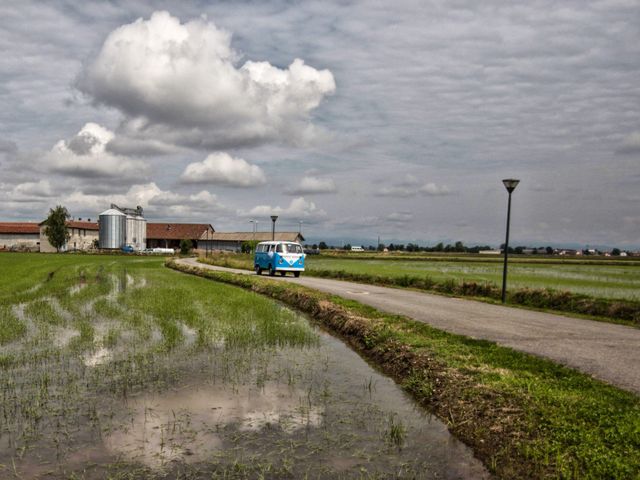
x=85 y=155
x=400 y=217
x=152 y=198
x=397 y=191
x=408 y=187
x=432 y=189
x=222 y=169
x=631 y=144
x=313 y=185
x=298 y=208
x=179 y=83
x=38 y=189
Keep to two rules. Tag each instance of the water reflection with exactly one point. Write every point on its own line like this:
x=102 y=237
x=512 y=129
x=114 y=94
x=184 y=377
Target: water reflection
x=185 y=424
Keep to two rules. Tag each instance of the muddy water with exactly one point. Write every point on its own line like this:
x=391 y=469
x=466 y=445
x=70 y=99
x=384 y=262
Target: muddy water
x=323 y=411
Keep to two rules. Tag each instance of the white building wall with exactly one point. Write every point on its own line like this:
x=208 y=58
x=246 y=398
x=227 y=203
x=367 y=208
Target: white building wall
x=19 y=241
x=80 y=239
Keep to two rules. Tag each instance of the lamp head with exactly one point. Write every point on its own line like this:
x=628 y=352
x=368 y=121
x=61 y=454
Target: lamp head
x=274 y=218
x=510 y=184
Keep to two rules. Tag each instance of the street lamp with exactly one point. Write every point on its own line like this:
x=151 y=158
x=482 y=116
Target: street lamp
x=273 y=226
x=253 y=228
x=510 y=184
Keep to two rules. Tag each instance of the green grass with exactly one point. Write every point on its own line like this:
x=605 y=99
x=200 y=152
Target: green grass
x=526 y=417
x=545 y=292
x=613 y=280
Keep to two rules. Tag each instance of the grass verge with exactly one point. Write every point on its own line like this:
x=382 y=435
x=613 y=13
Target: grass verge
x=603 y=309
x=525 y=417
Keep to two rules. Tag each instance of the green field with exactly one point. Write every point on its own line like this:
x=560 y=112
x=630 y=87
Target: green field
x=593 y=279
x=117 y=367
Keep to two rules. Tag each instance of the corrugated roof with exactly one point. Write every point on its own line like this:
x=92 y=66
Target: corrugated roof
x=19 y=227
x=259 y=236
x=177 y=231
x=113 y=212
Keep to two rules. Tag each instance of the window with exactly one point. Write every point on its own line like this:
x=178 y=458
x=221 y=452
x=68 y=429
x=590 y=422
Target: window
x=294 y=248
x=280 y=248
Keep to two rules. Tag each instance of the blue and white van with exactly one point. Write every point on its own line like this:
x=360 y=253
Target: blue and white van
x=279 y=257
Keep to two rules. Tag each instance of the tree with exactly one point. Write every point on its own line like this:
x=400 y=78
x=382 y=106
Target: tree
x=439 y=247
x=615 y=252
x=56 y=229
x=549 y=251
x=459 y=247
x=185 y=246
x=248 y=246
x=322 y=246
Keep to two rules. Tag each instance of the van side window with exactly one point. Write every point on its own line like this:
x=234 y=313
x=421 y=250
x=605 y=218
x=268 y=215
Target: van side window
x=280 y=248
x=260 y=248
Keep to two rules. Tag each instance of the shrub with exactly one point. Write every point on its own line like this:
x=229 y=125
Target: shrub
x=185 y=246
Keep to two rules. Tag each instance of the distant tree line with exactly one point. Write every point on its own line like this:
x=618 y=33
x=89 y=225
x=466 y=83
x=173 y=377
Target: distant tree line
x=459 y=247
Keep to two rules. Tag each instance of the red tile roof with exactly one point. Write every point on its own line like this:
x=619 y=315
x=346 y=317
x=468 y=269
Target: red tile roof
x=85 y=225
x=19 y=227
x=177 y=231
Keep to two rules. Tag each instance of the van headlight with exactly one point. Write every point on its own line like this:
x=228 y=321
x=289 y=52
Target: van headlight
x=280 y=261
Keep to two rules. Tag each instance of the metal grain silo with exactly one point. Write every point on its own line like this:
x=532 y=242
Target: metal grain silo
x=112 y=229
x=142 y=232
x=130 y=234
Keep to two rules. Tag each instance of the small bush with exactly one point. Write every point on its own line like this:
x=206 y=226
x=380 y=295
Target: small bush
x=185 y=246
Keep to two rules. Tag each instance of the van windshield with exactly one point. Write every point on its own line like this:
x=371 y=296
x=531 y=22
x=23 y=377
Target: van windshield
x=293 y=248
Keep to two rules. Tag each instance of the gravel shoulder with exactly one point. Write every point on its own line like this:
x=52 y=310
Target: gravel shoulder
x=606 y=351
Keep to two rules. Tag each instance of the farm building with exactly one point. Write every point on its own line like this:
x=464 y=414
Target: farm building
x=169 y=235
x=19 y=236
x=84 y=234
x=232 y=241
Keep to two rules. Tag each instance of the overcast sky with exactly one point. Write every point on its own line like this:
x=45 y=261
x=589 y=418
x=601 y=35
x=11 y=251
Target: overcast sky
x=360 y=119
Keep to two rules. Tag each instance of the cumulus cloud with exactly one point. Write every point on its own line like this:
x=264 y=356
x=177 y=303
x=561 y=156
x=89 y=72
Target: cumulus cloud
x=410 y=187
x=38 y=189
x=85 y=155
x=400 y=217
x=220 y=168
x=631 y=144
x=432 y=189
x=298 y=208
x=396 y=191
x=152 y=198
x=313 y=185
x=179 y=82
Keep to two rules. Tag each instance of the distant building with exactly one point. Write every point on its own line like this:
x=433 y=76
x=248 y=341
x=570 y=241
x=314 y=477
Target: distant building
x=232 y=241
x=83 y=235
x=19 y=236
x=169 y=235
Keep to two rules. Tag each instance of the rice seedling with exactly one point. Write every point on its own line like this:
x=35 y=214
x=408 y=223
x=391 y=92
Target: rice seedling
x=116 y=367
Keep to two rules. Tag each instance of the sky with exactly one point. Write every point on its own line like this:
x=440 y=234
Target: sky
x=349 y=120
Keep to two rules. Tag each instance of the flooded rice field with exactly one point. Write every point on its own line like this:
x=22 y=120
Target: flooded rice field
x=132 y=371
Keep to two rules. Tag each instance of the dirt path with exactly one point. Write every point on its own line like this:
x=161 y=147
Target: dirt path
x=606 y=351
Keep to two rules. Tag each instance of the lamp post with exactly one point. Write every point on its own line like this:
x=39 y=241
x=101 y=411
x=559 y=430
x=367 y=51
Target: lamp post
x=273 y=227
x=300 y=228
x=253 y=228
x=510 y=184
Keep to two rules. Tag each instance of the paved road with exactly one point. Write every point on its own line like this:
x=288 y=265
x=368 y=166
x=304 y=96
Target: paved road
x=606 y=351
